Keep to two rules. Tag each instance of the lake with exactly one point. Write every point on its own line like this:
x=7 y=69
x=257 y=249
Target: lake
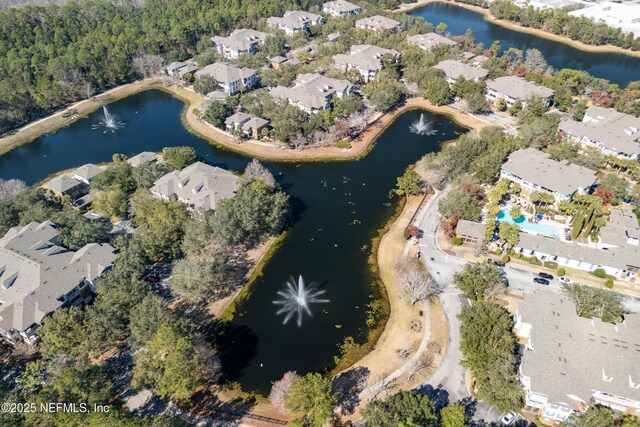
x=616 y=67
x=339 y=206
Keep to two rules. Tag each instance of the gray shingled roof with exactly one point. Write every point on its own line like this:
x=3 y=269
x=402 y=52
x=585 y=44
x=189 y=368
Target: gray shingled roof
x=538 y=167
x=340 y=6
x=429 y=40
x=296 y=19
x=622 y=226
x=571 y=352
x=241 y=39
x=364 y=56
x=225 y=73
x=614 y=130
x=456 y=69
x=144 y=157
x=254 y=123
x=311 y=90
x=35 y=271
x=278 y=59
x=62 y=184
x=470 y=229
x=377 y=22
x=87 y=172
x=237 y=119
x=200 y=185
x=518 y=88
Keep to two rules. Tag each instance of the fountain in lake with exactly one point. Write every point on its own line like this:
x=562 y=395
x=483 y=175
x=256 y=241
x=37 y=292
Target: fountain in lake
x=296 y=298
x=108 y=122
x=422 y=127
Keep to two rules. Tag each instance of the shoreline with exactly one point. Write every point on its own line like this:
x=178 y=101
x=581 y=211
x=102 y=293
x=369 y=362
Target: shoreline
x=359 y=146
x=515 y=26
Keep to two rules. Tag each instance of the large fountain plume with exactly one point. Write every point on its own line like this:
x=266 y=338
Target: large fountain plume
x=296 y=297
x=422 y=127
x=108 y=122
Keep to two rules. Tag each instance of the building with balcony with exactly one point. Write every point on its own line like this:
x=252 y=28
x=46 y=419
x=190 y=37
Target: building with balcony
x=613 y=133
x=199 y=186
x=569 y=362
x=38 y=276
x=535 y=170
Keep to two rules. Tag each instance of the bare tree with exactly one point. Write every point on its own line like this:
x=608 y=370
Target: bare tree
x=11 y=187
x=256 y=170
x=358 y=121
x=405 y=351
x=382 y=385
x=280 y=388
x=431 y=170
x=147 y=65
x=70 y=80
x=320 y=138
x=87 y=90
x=416 y=282
x=298 y=141
x=212 y=367
x=425 y=361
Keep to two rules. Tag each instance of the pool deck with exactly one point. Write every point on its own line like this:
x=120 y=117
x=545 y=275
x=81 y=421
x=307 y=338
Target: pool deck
x=554 y=229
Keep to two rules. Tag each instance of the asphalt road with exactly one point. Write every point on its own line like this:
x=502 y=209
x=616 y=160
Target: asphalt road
x=447 y=384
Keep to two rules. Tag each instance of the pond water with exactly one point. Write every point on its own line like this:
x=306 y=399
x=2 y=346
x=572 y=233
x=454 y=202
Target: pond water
x=616 y=67
x=338 y=208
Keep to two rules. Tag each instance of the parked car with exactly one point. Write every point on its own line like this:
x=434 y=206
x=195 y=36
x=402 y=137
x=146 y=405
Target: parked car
x=499 y=264
x=541 y=281
x=545 y=276
x=507 y=419
x=565 y=280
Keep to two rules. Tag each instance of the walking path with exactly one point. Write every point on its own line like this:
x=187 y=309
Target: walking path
x=191 y=120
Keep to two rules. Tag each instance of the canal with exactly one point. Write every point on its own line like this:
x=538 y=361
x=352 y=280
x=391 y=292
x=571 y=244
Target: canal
x=615 y=67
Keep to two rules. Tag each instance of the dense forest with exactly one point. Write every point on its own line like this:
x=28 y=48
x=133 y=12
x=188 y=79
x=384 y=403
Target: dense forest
x=52 y=55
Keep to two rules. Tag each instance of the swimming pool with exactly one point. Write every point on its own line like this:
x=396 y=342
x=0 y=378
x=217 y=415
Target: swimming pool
x=526 y=226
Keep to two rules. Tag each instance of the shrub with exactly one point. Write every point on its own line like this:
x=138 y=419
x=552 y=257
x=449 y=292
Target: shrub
x=609 y=283
x=511 y=252
x=599 y=272
x=535 y=261
x=506 y=259
x=551 y=264
x=343 y=144
x=498 y=251
x=457 y=241
x=561 y=272
x=518 y=256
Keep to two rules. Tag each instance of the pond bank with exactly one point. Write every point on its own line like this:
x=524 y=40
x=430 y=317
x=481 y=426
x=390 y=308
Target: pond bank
x=405 y=8
x=359 y=146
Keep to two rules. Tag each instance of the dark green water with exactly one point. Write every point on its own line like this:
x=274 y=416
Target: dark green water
x=616 y=67
x=339 y=206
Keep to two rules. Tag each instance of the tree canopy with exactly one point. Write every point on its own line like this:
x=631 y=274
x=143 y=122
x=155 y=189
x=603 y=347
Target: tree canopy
x=488 y=345
x=169 y=364
x=479 y=281
x=310 y=396
x=406 y=407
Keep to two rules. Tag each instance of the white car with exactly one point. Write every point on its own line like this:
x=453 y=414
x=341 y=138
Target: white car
x=508 y=418
x=565 y=280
